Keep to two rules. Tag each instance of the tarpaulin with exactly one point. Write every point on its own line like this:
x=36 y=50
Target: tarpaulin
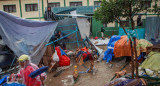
x=108 y=55
x=26 y=36
x=152 y=61
x=142 y=47
x=123 y=48
x=143 y=44
x=125 y=82
x=63 y=59
x=152 y=29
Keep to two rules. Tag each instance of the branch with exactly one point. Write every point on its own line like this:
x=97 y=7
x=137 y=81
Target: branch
x=119 y=21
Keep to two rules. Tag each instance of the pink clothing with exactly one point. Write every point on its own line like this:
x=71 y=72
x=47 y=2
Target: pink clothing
x=24 y=74
x=28 y=81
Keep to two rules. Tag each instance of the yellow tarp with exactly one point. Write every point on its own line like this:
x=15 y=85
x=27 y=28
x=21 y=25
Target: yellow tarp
x=152 y=62
x=142 y=44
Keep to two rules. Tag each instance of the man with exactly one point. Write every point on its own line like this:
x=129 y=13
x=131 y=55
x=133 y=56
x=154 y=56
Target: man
x=102 y=31
x=139 y=21
x=26 y=67
x=60 y=42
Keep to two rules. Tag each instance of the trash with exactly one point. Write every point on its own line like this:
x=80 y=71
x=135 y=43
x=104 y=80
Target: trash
x=96 y=37
x=64 y=67
x=100 y=41
x=101 y=57
x=121 y=73
x=58 y=73
x=69 y=81
x=149 y=72
x=75 y=74
x=70 y=53
x=61 y=69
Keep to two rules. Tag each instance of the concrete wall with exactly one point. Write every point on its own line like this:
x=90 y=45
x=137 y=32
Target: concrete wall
x=52 y=1
x=96 y=27
x=30 y=14
x=84 y=2
x=91 y=2
x=35 y=14
x=11 y=2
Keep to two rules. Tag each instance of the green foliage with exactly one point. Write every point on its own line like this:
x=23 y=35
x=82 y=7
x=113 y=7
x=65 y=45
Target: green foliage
x=112 y=10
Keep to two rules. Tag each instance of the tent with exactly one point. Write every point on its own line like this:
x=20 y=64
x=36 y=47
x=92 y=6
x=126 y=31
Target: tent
x=30 y=37
x=73 y=30
x=26 y=36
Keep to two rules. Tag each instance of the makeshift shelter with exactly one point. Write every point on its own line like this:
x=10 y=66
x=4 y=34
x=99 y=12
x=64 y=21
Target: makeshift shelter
x=119 y=46
x=152 y=61
x=26 y=36
x=73 y=30
x=122 y=47
x=108 y=54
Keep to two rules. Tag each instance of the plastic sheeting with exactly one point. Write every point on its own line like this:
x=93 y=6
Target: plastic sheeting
x=125 y=82
x=26 y=36
x=152 y=29
x=142 y=45
x=110 y=48
x=84 y=27
x=100 y=41
x=152 y=61
x=69 y=26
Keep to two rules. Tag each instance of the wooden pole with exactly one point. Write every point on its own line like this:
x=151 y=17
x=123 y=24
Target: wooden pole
x=134 y=38
x=132 y=58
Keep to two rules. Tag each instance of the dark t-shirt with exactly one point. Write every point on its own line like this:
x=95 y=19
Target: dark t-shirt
x=102 y=29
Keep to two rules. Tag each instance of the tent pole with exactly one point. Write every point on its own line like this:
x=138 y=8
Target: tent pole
x=77 y=37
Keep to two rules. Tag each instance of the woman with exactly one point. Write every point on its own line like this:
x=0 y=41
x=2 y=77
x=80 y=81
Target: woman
x=26 y=67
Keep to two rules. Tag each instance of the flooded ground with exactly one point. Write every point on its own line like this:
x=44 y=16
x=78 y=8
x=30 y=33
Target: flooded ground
x=103 y=75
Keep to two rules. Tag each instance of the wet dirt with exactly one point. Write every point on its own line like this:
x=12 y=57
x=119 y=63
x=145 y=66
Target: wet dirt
x=103 y=75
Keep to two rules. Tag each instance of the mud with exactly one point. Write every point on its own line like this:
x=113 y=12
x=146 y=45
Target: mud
x=103 y=75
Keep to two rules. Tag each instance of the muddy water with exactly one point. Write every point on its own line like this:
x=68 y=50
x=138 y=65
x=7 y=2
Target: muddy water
x=103 y=75
x=100 y=78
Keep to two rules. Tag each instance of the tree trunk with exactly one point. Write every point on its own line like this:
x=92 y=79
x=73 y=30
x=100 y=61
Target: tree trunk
x=135 y=51
x=132 y=58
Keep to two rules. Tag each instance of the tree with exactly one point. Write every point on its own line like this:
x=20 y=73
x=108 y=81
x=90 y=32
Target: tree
x=115 y=10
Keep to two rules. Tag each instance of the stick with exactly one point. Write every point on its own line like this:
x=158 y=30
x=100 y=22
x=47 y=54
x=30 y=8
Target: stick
x=41 y=81
x=120 y=70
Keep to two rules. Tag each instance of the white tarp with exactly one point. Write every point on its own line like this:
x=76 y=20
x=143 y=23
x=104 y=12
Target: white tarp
x=84 y=27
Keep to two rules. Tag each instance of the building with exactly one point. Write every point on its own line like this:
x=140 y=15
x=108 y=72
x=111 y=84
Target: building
x=29 y=9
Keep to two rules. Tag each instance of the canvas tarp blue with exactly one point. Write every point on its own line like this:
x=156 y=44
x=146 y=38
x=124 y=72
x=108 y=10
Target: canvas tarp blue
x=108 y=54
x=26 y=36
x=4 y=79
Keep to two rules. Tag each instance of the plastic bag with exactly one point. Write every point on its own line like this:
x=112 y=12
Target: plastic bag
x=64 y=61
x=55 y=57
